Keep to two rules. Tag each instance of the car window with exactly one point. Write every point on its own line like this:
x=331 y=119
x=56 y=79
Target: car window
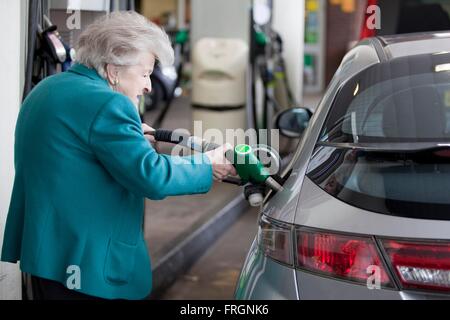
x=404 y=100
x=385 y=145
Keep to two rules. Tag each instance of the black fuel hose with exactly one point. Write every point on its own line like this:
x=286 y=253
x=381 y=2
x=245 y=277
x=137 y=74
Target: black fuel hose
x=194 y=143
x=167 y=136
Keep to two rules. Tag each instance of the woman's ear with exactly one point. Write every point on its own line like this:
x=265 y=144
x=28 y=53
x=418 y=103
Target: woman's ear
x=112 y=74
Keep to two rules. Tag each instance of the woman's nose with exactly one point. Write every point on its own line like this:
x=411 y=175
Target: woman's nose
x=148 y=87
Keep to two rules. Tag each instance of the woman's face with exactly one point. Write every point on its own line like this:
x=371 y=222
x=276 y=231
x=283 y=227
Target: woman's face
x=134 y=81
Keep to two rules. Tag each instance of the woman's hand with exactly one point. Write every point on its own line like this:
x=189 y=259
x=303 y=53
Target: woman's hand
x=147 y=130
x=222 y=168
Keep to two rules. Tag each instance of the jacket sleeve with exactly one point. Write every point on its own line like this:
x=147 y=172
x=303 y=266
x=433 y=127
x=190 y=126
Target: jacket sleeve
x=118 y=142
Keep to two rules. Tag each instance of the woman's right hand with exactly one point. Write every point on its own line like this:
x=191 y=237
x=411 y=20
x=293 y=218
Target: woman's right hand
x=222 y=168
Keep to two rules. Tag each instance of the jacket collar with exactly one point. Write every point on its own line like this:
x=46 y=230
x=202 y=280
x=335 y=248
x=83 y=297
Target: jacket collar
x=83 y=70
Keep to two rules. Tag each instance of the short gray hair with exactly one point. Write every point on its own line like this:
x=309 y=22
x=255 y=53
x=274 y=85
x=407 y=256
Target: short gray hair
x=118 y=38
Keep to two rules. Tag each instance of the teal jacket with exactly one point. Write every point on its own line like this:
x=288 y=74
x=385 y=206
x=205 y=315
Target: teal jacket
x=83 y=168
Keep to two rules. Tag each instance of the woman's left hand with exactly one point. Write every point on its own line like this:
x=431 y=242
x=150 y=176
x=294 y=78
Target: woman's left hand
x=146 y=129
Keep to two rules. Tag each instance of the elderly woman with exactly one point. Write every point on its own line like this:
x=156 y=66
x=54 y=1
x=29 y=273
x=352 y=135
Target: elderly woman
x=83 y=167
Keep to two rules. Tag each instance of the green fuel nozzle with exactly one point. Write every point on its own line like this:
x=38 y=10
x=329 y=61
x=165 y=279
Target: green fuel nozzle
x=249 y=168
x=247 y=165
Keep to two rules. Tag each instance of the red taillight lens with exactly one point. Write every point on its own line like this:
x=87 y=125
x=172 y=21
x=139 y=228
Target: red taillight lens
x=275 y=240
x=350 y=258
x=420 y=265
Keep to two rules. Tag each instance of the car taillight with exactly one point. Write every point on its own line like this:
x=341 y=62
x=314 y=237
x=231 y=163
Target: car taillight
x=275 y=240
x=351 y=258
x=420 y=265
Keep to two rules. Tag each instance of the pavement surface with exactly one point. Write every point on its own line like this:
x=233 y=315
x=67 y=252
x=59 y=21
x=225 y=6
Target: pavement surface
x=215 y=274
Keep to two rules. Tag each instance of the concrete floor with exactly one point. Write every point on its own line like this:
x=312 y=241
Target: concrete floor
x=215 y=274
x=169 y=221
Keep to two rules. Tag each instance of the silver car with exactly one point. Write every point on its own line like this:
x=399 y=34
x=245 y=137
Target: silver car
x=365 y=210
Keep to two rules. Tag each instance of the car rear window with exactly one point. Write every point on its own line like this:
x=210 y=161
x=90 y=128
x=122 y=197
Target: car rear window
x=385 y=145
x=404 y=100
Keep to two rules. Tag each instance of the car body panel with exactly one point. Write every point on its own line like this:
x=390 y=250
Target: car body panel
x=313 y=287
x=264 y=279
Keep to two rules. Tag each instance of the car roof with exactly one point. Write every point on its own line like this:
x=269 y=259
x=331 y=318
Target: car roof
x=402 y=45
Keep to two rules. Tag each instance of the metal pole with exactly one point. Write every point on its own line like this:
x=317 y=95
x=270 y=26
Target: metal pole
x=181 y=14
x=31 y=45
x=131 y=5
